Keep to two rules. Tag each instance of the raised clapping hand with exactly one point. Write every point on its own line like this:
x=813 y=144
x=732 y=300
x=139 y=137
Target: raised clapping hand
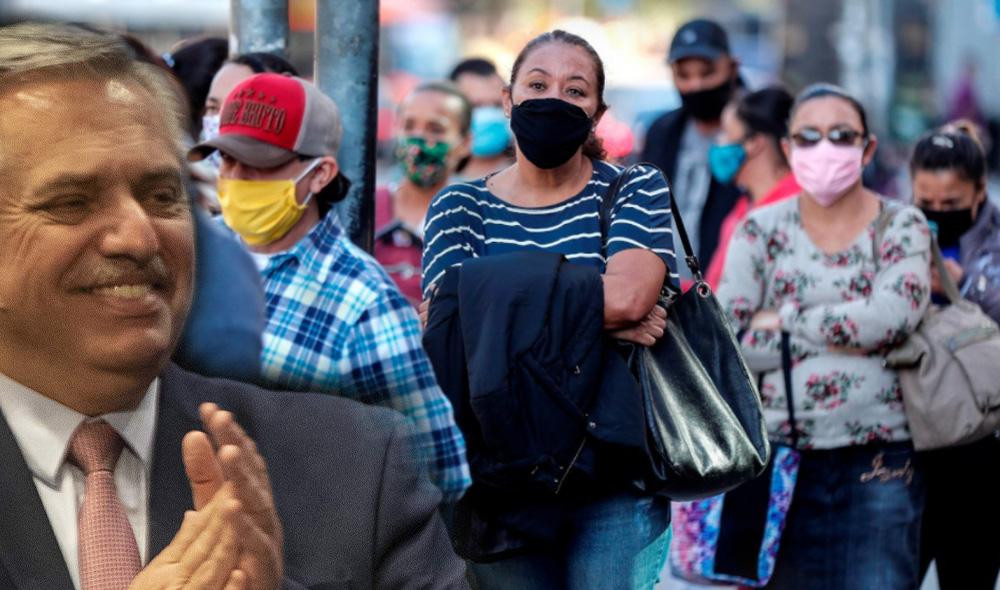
x=203 y=554
x=233 y=538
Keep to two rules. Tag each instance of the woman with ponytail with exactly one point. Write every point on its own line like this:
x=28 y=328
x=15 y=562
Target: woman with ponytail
x=948 y=169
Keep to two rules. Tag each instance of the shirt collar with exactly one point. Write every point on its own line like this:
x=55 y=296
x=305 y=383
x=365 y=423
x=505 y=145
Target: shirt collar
x=315 y=245
x=43 y=427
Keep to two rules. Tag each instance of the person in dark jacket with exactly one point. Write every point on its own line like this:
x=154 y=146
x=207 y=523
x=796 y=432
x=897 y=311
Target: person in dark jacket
x=707 y=77
x=949 y=184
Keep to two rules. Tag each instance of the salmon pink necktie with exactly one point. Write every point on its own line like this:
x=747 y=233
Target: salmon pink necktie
x=109 y=556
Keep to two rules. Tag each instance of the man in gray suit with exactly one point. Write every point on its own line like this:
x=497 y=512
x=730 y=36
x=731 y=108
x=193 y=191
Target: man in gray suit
x=119 y=469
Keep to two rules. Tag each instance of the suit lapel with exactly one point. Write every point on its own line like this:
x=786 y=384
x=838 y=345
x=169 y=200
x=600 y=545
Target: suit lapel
x=28 y=547
x=170 y=493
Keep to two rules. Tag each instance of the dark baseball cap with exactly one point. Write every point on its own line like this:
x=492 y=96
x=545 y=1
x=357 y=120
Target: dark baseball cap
x=700 y=38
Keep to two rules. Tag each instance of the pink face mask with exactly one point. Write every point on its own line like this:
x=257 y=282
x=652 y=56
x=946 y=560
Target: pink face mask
x=826 y=171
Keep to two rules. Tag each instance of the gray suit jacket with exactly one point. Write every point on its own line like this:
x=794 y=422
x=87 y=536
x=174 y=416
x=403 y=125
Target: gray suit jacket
x=355 y=512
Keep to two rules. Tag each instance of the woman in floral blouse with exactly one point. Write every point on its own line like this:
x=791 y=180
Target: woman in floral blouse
x=813 y=266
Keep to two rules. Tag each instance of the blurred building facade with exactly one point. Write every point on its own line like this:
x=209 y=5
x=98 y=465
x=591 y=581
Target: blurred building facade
x=909 y=61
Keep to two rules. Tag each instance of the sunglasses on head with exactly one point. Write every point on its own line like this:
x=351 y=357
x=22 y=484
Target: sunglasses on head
x=810 y=136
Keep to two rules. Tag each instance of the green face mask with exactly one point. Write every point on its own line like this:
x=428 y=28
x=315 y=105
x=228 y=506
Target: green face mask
x=424 y=165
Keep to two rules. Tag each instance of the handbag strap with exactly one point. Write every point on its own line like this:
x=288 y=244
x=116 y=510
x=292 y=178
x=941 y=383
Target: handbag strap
x=885 y=216
x=608 y=202
x=786 y=370
x=886 y=213
x=947 y=283
x=608 y=198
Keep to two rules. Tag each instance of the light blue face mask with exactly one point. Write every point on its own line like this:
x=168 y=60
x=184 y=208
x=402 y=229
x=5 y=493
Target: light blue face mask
x=725 y=161
x=490 y=132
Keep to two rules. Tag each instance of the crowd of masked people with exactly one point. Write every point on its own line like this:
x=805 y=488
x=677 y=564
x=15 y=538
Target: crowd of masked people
x=204 y=383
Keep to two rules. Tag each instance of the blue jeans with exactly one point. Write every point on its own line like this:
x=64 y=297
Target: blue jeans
x=854 y=521
x=616 y=543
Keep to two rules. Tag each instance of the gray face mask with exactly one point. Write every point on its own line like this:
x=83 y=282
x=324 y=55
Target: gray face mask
x=209 y=131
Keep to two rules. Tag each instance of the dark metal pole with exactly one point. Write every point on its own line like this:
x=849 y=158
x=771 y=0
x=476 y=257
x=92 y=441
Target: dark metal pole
x=258 y=26
x=347 y=71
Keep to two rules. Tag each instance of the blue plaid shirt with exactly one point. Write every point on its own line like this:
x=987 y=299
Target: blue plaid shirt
x=336 y=323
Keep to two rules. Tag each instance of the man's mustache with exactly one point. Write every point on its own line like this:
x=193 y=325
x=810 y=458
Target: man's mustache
x=122 y=271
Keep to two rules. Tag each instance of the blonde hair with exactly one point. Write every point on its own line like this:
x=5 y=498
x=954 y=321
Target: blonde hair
x=33 y=51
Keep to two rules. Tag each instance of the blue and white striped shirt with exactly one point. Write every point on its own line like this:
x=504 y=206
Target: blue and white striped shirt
x=466 y=220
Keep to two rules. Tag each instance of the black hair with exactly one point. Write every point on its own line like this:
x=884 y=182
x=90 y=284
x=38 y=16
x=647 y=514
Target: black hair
x=822 y=90
x=262 y=63
x=766 y=112
x=449 y=89
x=593 y=147
x=478 y=66
x=195 y=64
x=331 y=194
x=953 y=147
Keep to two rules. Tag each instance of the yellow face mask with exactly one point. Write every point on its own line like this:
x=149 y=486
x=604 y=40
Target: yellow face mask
x=262 y=211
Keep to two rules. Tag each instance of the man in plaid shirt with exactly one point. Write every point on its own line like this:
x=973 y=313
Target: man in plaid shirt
x=336 y=322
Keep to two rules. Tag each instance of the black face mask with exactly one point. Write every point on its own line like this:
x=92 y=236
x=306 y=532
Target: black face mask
x=707 y=104
x=951 y=225
x=549 y=131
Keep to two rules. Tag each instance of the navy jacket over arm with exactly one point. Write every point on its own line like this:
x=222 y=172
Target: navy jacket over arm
x=547 y=405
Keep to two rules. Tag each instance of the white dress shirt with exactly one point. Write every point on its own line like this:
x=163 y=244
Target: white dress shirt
x=43 y=428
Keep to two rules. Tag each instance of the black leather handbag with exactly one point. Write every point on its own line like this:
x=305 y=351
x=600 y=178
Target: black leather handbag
x=705 y=430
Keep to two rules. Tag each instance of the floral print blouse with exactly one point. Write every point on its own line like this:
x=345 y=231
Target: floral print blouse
x=830 y=304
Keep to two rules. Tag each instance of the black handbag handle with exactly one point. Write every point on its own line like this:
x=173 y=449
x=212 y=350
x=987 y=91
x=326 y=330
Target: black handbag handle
x=608 y=202
x=786 y=370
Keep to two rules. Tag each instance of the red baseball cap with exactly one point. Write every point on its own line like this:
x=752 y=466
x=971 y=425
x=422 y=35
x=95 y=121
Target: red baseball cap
x=268 y=119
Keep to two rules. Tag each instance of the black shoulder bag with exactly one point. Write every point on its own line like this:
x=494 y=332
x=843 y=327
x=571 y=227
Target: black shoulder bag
x=740 y=543
x=705 y=430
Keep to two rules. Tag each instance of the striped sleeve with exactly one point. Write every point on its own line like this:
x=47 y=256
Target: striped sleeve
x=641 y=217
x=453 y=231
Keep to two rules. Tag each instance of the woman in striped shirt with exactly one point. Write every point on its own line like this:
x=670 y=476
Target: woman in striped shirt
x=550 y=199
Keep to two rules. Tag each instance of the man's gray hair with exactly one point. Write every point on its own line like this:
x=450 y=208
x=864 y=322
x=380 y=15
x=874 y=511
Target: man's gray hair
x=32 y=51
